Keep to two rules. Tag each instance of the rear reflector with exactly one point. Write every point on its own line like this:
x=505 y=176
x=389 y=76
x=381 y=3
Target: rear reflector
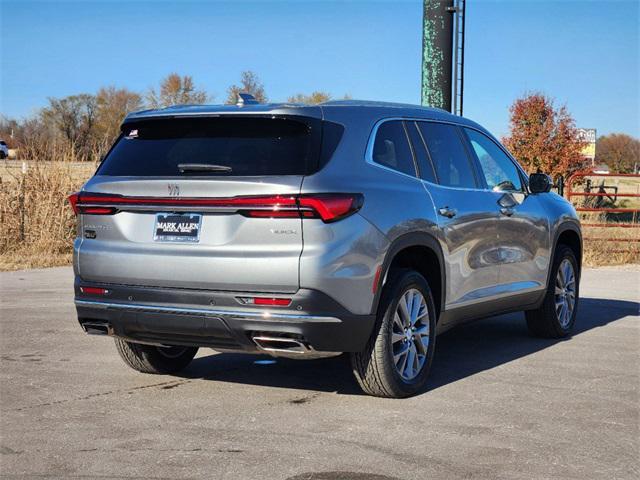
x=94 y=290
x=376 y=280
x=275 y=302
x=266 y=301
x=328 y=207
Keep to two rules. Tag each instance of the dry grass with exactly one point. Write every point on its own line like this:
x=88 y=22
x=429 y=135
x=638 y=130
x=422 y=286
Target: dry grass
x=49 y=224
x=599 y=245
x=599 y=249
x=37 y=222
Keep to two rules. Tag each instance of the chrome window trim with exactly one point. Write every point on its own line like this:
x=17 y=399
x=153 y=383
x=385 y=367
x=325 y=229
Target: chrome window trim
x=376 y=126
x=509 y=157
x=424 y=144
x=372 y=140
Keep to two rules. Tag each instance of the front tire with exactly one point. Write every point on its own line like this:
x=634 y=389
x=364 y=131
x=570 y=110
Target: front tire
x=557 y=315
x=152 y=359
x=396 y=361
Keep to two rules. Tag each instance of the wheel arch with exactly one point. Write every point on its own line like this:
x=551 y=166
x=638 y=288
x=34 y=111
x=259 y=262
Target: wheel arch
x=423 y=253
x=568 y=234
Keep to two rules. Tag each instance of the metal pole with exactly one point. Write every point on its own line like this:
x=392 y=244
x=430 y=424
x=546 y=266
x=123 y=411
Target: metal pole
x=456 y=60
x=464 y=17
x=437 y=50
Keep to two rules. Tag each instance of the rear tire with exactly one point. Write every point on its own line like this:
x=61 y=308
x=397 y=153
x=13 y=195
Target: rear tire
x=557 y=315
x=396 y=360
x=152 y=359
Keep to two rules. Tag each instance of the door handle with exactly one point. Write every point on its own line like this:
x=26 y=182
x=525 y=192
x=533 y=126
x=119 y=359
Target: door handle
x=507 y=211
x=447 y=212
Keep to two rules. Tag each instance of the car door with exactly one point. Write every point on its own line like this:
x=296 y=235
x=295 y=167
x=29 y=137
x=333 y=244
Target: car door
x=466 y=213
x=523 y=227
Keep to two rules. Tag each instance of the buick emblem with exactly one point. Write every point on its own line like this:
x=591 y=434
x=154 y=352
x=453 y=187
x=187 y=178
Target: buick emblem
x=174 y=190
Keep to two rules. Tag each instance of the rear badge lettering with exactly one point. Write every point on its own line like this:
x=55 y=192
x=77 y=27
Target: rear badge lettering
x=174 y=190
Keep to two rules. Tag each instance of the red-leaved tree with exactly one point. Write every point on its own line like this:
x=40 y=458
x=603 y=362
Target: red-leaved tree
x=543 y=138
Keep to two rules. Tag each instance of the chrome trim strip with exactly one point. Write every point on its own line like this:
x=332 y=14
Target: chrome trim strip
x=497 y=292
x=227 y=314
x=376 y=126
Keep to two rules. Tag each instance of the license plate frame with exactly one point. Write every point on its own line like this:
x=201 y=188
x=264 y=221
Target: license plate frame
x=177 y=227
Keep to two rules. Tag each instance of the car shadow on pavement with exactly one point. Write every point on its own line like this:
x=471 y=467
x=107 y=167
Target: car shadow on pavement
x=460 y=353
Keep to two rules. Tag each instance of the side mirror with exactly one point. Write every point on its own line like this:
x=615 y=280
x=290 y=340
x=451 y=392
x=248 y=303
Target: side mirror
x=540 y=183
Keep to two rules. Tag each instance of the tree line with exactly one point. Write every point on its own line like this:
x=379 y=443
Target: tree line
x=85 y=125
x=542 y=137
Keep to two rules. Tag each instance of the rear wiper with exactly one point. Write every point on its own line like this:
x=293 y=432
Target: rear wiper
x=203 y=167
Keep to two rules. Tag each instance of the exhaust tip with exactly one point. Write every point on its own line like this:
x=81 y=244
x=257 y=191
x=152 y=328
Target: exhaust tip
x=280 y=344
x=97 y=328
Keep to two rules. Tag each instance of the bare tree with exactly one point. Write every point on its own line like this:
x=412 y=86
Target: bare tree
x=176 y=90
x=113 y=105
x=620 y=152
x=249 y=83
x=313 y=99
x=73 y=118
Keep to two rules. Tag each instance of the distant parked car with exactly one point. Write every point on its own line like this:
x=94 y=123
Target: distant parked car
x=4 y=150
x=306 y=231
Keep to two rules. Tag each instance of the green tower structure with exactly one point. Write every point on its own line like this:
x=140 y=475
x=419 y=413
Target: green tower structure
x=437 y=53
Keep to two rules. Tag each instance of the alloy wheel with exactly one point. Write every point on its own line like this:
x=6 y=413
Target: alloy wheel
x=410 y=334
x=565 y=293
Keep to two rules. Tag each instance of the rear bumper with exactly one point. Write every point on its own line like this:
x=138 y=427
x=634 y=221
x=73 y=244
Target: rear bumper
x=217 y=320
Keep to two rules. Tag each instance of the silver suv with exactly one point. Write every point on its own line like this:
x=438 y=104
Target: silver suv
x=306 y=231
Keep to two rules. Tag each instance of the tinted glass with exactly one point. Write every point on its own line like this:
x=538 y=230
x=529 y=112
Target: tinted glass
x=497 y=168
x=391 y=148
x=331 y=136
x=248 y=146
x=448 y=155
x=424 y=164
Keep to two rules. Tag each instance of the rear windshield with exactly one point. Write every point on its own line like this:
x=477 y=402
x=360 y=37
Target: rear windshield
x=246 y=146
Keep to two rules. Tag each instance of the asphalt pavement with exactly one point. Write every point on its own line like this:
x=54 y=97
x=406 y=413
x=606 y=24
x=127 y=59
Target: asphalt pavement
x=500 y=404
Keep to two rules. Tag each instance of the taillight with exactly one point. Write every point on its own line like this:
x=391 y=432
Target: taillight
x=84 y=203
x=73 y=200
x=326 y=206
x=332 y=206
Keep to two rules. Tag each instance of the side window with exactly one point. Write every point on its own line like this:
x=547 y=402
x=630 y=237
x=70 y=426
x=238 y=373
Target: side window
x=499 y=171
x=420 y=150
x=448 y=154
x=391 y=148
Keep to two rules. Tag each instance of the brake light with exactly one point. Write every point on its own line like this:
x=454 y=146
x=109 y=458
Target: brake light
x=98 y=210
x=82 y=203
x=332 y=206
x=327 y=206
x=73 y=200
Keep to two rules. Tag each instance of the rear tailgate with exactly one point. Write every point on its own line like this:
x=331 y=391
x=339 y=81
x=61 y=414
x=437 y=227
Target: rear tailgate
x=145 y=186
